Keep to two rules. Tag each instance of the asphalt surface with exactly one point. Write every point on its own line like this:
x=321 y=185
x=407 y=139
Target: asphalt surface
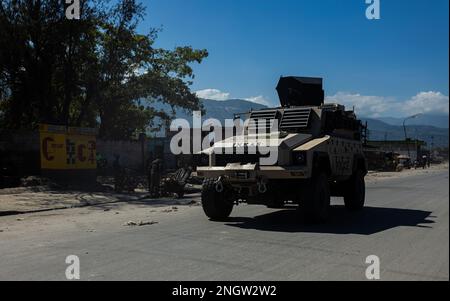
x=406 y=224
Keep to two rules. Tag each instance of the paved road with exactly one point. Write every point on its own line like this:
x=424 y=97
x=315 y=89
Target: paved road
x=406 y=224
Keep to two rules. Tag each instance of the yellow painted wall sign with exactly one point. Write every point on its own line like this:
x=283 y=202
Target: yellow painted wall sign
x=67 y=148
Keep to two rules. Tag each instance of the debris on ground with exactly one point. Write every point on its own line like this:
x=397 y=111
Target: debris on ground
x=34 y=181
x=19 y=219
x=167 y=211
x=39 y=184
x=174 y=208
x=39 y=198
x=140 y=224
x=90 y=231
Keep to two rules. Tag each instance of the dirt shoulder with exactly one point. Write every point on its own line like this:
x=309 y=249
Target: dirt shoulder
x=381 y=176
x=23 y=200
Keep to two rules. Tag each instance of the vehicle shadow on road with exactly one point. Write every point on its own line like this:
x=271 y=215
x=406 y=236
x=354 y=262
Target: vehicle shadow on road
x=369 y=221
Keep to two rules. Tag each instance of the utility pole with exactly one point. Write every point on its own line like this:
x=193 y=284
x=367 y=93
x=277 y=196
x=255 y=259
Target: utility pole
x=406 y=134
x=432 y=147
x=417 y=145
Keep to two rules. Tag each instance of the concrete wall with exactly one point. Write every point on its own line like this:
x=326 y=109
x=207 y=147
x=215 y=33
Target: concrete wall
x=19 y=152
x=413 y=148
x=130 y=153
x=19 y=140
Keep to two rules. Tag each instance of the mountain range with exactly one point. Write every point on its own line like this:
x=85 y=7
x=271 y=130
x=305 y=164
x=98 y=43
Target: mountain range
x=439 y=121
x=380 y=130
x=219 y=110
x=429 y=128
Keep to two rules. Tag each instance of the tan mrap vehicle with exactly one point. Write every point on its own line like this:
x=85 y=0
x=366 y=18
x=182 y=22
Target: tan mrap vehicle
x=318 y=149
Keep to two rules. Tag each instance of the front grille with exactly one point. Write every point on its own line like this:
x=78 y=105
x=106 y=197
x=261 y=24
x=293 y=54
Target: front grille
x=223 y=160
x=242 y=175
x=295 y=119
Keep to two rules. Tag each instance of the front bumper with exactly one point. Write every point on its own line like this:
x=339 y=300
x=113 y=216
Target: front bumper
x=252 y=173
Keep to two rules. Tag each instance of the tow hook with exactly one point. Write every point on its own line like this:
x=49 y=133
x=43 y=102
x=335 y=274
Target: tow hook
x=262 y=188
x=219 y=185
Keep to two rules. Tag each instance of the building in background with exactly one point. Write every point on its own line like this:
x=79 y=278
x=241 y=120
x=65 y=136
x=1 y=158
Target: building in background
x=412 y=148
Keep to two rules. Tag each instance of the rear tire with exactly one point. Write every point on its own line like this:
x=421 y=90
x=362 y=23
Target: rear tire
x=317 y=199
x=355 y=192
x=217 y=206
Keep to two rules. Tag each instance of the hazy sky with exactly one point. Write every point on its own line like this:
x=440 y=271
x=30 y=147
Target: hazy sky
x=394 y=66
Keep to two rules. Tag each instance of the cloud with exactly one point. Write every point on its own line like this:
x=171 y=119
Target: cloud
x=427 y=102
x=213 y=94
x=377 y=106
x=259 y=100
x=216 y=94
x=372 y=106
x=365 y=105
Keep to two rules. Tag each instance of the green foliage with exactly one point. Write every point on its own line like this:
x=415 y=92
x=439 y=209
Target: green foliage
x=96 y=71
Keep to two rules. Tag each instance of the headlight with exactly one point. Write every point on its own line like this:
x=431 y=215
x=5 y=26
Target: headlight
x=299 y=158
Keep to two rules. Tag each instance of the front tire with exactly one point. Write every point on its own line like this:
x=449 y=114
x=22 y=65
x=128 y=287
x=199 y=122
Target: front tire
x=217 y=206
x=317 y=199
x=355 y=193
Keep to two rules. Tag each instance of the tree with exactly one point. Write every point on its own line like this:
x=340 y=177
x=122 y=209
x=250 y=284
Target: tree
x=96 y=71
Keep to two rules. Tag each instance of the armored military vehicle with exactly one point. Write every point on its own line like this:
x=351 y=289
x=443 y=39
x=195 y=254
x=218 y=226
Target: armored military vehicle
x=319 y=155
